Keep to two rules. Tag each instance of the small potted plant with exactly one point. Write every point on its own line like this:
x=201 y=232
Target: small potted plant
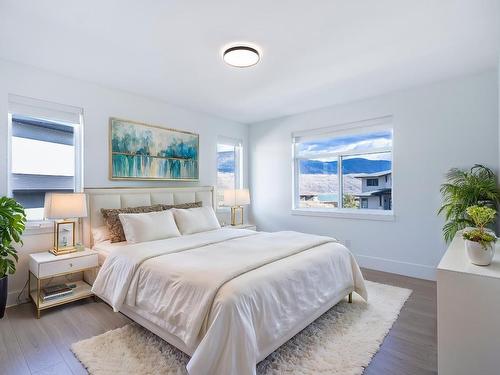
x=480 y=241
x=12 y=224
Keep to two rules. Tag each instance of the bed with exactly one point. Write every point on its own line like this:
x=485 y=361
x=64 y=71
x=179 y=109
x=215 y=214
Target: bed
x=226 y=297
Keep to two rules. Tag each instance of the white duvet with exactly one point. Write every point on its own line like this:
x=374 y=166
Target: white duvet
x=230 y=295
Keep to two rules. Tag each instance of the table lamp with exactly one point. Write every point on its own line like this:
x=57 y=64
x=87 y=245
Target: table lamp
x=236 y=198
x=62 y=208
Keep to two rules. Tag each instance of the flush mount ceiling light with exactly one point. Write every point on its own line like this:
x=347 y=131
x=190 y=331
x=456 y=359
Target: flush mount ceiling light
x=241 y=56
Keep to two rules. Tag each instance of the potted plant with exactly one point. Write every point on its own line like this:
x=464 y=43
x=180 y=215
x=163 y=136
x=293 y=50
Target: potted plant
x=12 y=224
x=465 y=188
x=480 y=241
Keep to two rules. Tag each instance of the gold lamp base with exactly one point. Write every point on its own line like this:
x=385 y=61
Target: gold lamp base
x=63 y=251
x=65 y=229
x=234 y=210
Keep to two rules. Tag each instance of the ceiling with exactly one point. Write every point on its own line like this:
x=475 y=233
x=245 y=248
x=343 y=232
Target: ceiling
x=315 y=53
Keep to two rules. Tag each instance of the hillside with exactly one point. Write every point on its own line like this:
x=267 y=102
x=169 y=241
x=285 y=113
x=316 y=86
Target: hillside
x=326 y=184
x=354 y=165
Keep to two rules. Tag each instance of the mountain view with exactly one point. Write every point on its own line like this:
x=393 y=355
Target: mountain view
x=319 y=182
x=225 y=161
x=354 y=165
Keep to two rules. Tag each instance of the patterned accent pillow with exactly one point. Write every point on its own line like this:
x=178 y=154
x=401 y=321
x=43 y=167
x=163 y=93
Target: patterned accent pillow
x=114 y=224
x=182 y=205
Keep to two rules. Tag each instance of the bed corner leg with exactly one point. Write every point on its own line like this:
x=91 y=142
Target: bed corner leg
x=349 y=297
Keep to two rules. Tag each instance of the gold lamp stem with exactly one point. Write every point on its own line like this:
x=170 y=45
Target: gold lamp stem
x=234 y=210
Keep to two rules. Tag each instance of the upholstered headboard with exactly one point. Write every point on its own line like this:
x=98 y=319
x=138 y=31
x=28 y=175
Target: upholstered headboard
x=98 y=198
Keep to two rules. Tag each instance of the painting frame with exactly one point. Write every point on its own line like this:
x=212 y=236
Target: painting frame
x=155 y=128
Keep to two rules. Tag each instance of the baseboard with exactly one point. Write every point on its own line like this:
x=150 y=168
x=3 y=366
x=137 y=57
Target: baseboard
x=420 y=271
x=12 y=298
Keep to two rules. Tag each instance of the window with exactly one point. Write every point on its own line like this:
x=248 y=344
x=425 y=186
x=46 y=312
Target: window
x=229 y=167
x=344 y=168
x=45 y=152
x=364 y=202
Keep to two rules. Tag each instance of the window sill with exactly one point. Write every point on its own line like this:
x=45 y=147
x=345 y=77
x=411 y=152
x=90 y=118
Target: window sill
x=38 y=227
x=378 y=215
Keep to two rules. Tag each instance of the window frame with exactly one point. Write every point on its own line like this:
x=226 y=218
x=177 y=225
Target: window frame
x=238 y=166
x=346 y=129
x=46 y=225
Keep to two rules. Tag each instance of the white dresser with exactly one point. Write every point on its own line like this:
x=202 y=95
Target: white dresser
x=468 y=304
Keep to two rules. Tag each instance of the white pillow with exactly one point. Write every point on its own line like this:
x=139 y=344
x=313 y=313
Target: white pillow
x=149 y=226
x=100 y=234
x=195 y=220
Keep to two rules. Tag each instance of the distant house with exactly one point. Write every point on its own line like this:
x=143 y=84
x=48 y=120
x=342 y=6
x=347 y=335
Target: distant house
x=376 y=190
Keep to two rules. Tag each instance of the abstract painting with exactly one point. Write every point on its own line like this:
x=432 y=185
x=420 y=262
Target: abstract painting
x=141 y=151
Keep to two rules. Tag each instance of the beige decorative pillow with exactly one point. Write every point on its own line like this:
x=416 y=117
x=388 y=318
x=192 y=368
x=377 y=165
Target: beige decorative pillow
x=100 y=234
x=114 y=225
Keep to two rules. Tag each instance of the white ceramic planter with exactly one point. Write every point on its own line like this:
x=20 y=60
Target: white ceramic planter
x=478 y=254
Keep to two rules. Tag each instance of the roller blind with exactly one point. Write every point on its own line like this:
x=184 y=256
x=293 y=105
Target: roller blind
x=351 y=128
x=41 y=109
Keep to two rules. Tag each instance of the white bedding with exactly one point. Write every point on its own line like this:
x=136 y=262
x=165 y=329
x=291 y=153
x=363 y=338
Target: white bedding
x=229 y=295
x=104 y=248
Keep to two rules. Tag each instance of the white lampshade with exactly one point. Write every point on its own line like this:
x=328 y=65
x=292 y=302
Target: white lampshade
x=65 y=206
x=236 y=197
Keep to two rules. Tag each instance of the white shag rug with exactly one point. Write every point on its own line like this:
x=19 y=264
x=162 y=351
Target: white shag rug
x=341 y=341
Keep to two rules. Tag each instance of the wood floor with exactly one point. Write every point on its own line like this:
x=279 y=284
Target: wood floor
x=31 y=346
x=410 y=348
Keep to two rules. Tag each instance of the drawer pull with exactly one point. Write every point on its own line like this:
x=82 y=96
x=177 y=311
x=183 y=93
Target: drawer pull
x=71 y=264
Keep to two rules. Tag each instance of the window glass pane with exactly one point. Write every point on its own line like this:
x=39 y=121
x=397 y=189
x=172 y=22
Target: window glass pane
x=318 y=183
x=347 y=143
x=42 y=160
x=367 y=181
x=34 y=213
x=226 y=173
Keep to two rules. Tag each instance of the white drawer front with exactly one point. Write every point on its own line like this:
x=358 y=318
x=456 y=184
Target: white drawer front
x=67 y=265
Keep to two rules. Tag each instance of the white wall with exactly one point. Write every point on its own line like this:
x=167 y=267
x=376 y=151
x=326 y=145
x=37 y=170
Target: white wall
x=436 y=127
x=100 y=103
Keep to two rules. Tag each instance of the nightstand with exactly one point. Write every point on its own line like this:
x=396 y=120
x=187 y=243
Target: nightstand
x=45 y=266
x=242 y=226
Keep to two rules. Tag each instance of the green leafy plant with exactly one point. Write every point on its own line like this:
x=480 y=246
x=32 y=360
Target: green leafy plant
x=350 y=201
x=481 y=216
x=465 y=188
x=12 y=224
x=475 y=235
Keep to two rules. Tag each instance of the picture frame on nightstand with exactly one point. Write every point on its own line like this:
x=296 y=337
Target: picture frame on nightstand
x=64 y=236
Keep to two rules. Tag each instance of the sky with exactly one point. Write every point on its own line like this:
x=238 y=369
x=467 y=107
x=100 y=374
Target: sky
x=359 y=142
